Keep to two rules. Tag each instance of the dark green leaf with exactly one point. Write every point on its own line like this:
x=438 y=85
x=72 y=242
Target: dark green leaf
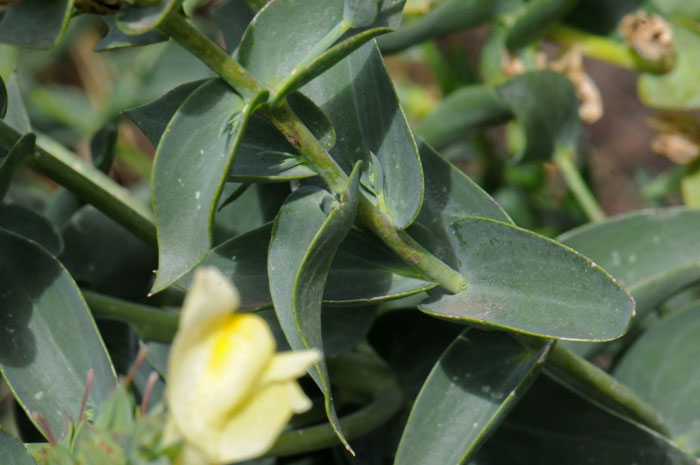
x=469 y=108
x=677 y=89
x=13 y=451
x=533 y=19
x=36 y=23
x=41 y=312
x=115 y=38
x=142 y=19
x=344 y=328
x=653 y=253
x=552 y=425
x=190 y=167
x=364 y=271
x=661 y=367
x=358 y=97
x=447 y=17
x=546 y=105
x=232 y=18
x=3 y=98
x=290 y=43
x=152 y=118
x=449 y=196
x=94 y=262
x=23 y=148
x=102 y=147
x=31 y=225
x=472 y=387
x=305 y=236
x=521 y=281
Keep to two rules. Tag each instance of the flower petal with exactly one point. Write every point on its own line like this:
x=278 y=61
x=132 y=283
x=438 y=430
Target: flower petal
x=211 y=297
x=290 y=365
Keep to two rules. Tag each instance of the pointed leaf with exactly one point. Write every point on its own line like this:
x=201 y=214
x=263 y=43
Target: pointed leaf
x=364 y=271
x=23 y=148
x=662 y=369
x=549 y=426
x=358 y=97
x=36 y=23
x=521 y=281
x=41 y=312
x=115 y=38
x=190 y=168
x=653 y=253
x=305 y=236
x=289 y=43
x=546 y=105
x=138 y=19
x=476 y=382
x=31 y=225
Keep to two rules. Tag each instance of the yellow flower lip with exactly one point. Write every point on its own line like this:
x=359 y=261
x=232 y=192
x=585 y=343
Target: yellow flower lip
x=229 y=394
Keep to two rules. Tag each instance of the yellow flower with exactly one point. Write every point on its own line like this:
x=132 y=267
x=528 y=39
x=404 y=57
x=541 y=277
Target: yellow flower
x=229 y=394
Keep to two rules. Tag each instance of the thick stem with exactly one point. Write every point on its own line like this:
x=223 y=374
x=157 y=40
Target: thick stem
x=87 y=182
x=564 y=160
x=604 y=49
x=313 y=153
x=152 y=324
x=601 y=384
x=177 y=27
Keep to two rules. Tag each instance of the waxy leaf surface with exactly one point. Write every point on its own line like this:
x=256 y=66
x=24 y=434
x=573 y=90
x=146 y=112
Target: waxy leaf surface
x=190 y=167
x=13 y=451
x=36 y=23
x=521 y=281
x=661 y=367
x=137 y=19
x=653 y=253
x=41 y=311
x=358 y=97
x=290 y=42
x=31 y=225
x=305 y=237
x=474 y=384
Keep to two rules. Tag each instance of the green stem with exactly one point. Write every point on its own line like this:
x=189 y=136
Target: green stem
x=564 y=160
x=152 y=324
x=598 y=382
x=87 y=182
x=177 y=27
x=604 y=49
x=365 y=375
x=313 y=153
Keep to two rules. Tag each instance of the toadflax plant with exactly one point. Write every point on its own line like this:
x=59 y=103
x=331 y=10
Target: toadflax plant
x=433 y=328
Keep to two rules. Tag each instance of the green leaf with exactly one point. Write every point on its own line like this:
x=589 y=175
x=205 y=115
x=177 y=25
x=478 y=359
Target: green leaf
x=137 y=19
x=23 y=148
x=190 y=168
x=662 y=369
x=653 y=253
x=115 y=38
x=102 y=147
x=358 y=97
x=289 y=43
x=545 y=103
x=449 y=196
x=474 y=384
x=363 y=271
x=677 y=89
x=95 y=263
x=42 y=311
x=533 y=19
x=3 y=98
x=31 y=225
x=16 y=116
x=232 y=18
x=36 y=23
x=469 y=108
x=305 y=236
x=554 y=425
x=447 y=17
x=13 y=451
x=521 y=281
